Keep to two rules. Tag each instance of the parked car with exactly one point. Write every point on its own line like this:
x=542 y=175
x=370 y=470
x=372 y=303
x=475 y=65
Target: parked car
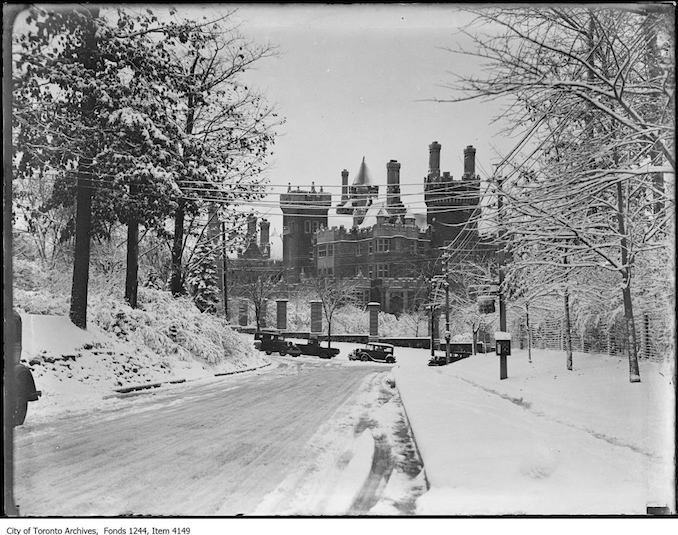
x=24 y=384
x=290 y=349
x=313 y=347
x=374 y=352
x=269 y=341
x=438 y=360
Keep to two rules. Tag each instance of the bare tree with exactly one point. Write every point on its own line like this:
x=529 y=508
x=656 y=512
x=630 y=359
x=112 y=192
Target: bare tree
x=333 y=294
x=590 y=99
x=259 y=284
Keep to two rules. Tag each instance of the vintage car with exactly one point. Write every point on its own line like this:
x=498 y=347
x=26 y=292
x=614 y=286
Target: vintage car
x=375 y=352
x=270 y=341
x=313 y=347
x=438 y=360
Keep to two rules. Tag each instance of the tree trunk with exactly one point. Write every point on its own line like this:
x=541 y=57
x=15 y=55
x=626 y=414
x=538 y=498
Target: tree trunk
x=529 y=333
x=83 y=211
x=567 y=335
x=131 y=275
x=329 y=333
x=176 y=280
x=629 y=322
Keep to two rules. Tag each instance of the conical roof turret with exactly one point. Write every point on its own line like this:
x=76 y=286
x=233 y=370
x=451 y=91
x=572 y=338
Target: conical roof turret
x=363 y=177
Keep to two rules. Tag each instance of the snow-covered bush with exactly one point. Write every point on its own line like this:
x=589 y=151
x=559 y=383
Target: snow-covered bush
x=171 y=326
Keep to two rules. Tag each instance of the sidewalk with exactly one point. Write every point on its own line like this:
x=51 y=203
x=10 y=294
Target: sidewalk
x=545 y=440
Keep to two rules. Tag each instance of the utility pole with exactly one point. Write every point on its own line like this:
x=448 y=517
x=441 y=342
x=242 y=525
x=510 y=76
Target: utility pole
x=224 y=261
x=447 y=320
x=503 y=368
x=432 y=308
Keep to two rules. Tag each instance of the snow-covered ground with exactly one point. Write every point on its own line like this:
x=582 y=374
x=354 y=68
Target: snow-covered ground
x=77 y=369
x=545 y=440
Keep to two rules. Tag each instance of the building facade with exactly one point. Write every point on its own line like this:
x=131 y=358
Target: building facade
x=388 y=253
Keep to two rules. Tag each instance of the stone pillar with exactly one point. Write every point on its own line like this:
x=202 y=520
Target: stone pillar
x=373 y=309
x=243 y=318
x=281 y=314
x=262 y=313
x=316 y=316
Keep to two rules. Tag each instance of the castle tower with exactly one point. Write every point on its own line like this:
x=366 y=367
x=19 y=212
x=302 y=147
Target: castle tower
x=344 y=186
x=393 y=202
x=469 y=162
x=264 y=238
x=359 y=194
x=450 y=204
x=434 y=160
x=251 y=247
x=304 y=212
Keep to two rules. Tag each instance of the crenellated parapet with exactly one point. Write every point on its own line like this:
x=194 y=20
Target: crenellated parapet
x=305 y=201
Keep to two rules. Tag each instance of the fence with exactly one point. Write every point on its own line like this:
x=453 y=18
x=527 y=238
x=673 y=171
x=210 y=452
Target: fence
x=655 y=334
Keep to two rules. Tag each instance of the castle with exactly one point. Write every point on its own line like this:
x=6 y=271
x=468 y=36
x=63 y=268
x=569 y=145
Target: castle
x=389 y=254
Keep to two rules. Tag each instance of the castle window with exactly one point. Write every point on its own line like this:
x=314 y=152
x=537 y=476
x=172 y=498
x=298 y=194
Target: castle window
x=307 y=227
x=359 y=249
x=322 y=250
x=370 y=247
x=382 y=271
x=316 y=226
x=383 y=245
x=330 y=249
x=414 y=247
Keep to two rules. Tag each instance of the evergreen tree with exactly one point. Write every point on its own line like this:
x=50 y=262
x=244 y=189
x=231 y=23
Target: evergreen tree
x=202 y=279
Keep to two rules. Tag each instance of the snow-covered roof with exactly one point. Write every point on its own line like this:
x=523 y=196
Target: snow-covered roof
x=501 y=335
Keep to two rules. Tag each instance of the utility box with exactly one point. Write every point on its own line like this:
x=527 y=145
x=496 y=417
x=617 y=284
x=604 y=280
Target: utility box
x=503 y=341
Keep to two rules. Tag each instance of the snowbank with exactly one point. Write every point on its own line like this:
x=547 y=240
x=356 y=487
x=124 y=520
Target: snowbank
x=543 y=441
x=76 y=369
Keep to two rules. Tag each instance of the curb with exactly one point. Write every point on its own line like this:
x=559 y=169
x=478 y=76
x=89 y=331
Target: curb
x=149 y=386
x=414 y=438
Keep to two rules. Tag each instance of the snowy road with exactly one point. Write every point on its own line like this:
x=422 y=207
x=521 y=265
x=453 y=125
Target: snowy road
x=212 y=448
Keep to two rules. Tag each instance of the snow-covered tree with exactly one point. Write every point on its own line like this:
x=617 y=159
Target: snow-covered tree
x=227 y=126
x=202 y=280
x=590 y=99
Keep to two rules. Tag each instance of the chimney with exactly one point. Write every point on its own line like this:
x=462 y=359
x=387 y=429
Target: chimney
x=469 y=162
x=434 y=159
x=264 y=238
x=344 y=185
x=392 y=183
x=251 y=227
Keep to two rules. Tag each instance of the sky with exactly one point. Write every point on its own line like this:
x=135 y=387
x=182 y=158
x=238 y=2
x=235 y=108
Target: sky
x=357 y=80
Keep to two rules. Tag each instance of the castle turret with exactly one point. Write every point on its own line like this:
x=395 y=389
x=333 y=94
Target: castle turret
x=264 y=238
x=393 y=202
x=344 y=186
x=469 y=162
x=450 y=203
x=251 y=247
x=434 y=160
x=304 y=212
